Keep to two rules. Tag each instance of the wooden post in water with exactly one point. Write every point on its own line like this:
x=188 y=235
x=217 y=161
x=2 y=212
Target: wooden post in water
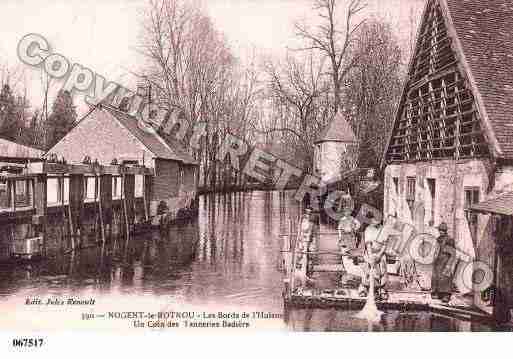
x=105 y=203
x=123 y=205
x=98 y=202
x=146 y=195
x=39 y=220
x=60 y=187
x=71 y=228
x=95 y=203
x=76 y=206
x=128 y=193
x=129 y=196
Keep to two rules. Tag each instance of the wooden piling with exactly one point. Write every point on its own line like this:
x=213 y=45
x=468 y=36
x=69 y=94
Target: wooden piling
x=105 y=203
x=124 y=206
x=76 y=206
x=129 y=196
x=98 y=190
x=71 y=228
x=40 y=204
x=63 y=209
x=146 y=195
x=95 y=205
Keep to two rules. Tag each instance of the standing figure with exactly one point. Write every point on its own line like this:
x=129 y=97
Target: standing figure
x=348 y=226
x=443 y=267
x=307 y=242
x=375 y=266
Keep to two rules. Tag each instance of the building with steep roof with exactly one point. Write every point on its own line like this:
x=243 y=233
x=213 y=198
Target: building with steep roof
x=451 y=146
x=332 y=152
x=108 y=135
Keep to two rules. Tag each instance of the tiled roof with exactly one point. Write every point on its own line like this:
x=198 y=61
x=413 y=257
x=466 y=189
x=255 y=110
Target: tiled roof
x=180 y=151
x=502 y=204
x=165 y=149
x=485 y=31
x=9 y=149
x=338 y=130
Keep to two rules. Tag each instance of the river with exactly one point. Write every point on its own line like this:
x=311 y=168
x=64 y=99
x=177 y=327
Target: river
x=226 y=260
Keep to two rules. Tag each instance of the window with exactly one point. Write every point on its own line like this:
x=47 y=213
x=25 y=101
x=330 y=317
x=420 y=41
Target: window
x=318 y=159
x=5 y=201
x=65 y=181
x=20 y=189
x=139 y=185
x=90 y=189
x=57 y=190
x=431 y=182
x=180 y=175
x=396 y=184
x=410 y=188
x=52 y=191
x=410 y=192
x=394 y=197
x=116 y=187
x=471 y=198
x=22 y=193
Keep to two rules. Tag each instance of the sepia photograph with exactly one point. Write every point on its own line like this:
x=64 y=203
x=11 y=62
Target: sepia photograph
x=243 y=166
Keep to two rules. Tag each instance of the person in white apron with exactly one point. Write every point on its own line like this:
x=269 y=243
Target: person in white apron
x=374 y=256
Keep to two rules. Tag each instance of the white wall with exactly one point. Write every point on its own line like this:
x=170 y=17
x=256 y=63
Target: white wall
x=328 y=156
x=449 y=205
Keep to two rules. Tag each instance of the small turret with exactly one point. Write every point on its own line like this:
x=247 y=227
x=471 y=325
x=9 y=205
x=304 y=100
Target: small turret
x=333 y=149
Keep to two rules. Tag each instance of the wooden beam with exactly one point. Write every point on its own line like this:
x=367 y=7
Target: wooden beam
x=59 y=168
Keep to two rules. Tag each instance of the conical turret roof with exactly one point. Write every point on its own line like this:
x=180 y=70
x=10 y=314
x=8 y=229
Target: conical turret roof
x=338 y=130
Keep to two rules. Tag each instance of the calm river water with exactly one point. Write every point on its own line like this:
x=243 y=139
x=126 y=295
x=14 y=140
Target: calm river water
x=227 y=258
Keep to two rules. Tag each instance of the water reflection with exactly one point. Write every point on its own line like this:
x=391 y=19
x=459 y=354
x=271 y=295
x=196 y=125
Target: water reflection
x=392 y=320
x=229 y=256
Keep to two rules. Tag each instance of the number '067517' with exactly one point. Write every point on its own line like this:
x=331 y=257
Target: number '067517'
x=27 y=342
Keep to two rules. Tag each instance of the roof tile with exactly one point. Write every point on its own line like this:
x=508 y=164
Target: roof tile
x=9 y=149
x=338 y=130
x=160 y=147
x=485 y=30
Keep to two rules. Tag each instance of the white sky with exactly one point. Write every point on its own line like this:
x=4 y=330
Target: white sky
x=102 y=34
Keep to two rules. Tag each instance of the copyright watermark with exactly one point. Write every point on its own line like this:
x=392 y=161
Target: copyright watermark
x=400 y=238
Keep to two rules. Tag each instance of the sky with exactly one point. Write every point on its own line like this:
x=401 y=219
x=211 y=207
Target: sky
x=102 y=34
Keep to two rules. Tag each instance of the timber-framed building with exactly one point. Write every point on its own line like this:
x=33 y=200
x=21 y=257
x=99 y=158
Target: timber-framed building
x=452 y=141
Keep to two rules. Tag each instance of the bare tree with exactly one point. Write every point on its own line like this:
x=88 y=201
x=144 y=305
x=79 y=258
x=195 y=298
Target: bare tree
x=186 y=56
x=195 y=72
x=334 y=41
x=297 y=92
